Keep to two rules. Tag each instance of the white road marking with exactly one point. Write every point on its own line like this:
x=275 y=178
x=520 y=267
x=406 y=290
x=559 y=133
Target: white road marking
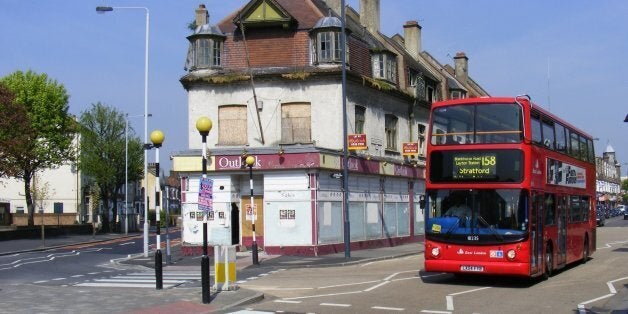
x=324 y=295
x=41 y=281
x=401 y=272
x=57 y=279
x=388 y=308
x=127 y=243
x=348 y=284
x=376 y=286
x=450 y=298
x=77 y=276
x=287 y=301
x=435 y=312
x=335 y=304
x=611 y=288
x=120 y=285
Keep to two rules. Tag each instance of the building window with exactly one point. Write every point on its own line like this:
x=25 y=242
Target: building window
x=326 y=48
x=430 y=92
x=360 y=117
x=295 y=123
x=232 y=125
x=457 y=94
x=329 y=47
x=421 y=132
x=391 y=132
x=385 y=66
x=208 y=53
x=58 y=208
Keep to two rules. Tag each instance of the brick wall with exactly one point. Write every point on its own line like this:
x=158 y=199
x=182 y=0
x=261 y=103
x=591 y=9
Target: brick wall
x=270 y=47
x=49 y=219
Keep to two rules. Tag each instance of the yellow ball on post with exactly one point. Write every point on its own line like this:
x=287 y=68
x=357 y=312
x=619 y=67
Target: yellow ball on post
x=203 y=125
x=157 y=137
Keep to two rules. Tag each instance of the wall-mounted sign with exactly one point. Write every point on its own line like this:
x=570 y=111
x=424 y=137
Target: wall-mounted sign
x=410 y=149
x=356 y=142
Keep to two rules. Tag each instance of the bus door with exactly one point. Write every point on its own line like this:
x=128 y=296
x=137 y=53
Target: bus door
x=561 y=256
x=536 y=233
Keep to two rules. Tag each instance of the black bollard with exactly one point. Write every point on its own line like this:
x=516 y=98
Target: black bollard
x=158 y=271
x=205 y=278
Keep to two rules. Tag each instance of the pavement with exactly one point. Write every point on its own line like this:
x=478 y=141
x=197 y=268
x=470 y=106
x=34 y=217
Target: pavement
x=187 y=298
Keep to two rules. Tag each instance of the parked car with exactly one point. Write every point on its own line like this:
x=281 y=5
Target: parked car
x=601 y=216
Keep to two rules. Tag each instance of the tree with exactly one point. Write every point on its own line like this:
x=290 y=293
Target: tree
x=103 y=155
x=40 y=131
x=14 y=129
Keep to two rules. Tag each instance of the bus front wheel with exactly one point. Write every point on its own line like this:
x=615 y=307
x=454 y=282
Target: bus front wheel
x=585 y=251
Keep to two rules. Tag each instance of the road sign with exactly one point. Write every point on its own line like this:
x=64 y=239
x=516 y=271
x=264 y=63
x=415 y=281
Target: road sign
x=206 y=195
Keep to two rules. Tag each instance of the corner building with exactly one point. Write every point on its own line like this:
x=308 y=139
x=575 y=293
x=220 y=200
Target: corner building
x=269 y=76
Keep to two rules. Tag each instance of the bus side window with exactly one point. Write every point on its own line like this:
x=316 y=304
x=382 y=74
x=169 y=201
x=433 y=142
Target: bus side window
x=537 y=137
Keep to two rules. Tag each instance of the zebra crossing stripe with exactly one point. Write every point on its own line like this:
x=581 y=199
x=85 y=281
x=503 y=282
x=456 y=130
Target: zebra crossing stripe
x=141 y=280
x=120 y=285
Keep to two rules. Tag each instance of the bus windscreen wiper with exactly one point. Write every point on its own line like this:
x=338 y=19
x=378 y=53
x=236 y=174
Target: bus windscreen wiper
x=493 y=231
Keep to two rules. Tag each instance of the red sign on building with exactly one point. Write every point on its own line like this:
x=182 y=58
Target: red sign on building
x=411 y=148
x=356 y=141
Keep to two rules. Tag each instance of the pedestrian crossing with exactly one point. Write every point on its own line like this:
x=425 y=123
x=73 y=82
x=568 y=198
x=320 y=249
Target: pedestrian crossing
x=142 y=280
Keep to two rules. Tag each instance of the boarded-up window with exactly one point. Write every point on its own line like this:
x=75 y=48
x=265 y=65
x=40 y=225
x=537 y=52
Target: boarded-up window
x=232 y=125
x=295 y=123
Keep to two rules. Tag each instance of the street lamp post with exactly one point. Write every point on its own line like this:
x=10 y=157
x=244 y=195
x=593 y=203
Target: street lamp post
x=126 y=170
x=250 y=161
x=345 y=150
x=157 y=137
x=103 y=9
x=204 y=125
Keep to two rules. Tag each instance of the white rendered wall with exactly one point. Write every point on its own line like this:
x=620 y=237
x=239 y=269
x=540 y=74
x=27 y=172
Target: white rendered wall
x=61 y=186
x=287 y=191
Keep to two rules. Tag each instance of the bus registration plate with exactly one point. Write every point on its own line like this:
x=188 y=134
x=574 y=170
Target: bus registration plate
x=472 y=268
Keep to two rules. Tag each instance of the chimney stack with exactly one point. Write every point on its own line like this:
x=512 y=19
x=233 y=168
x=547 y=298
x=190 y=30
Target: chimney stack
x=461 y=67
x=202 y=17
x=335 y=5
x=412 y=38
x=369 y=15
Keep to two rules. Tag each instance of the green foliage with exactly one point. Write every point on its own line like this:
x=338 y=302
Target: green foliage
x=103 y=153
x=40 y=131
x=14 y=130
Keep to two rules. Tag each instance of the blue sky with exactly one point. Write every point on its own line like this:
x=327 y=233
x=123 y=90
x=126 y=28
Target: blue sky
x=571 y=57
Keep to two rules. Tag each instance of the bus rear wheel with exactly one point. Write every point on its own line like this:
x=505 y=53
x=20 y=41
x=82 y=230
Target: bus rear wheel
x=549 y=263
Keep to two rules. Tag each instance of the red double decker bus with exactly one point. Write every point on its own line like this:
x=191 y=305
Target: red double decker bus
x=510 y=189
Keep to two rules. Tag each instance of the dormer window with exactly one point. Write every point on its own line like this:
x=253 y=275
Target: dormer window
x=385 y=66
x=206 y=48
x=328 y=47
x=325 y=37
x=208 y=53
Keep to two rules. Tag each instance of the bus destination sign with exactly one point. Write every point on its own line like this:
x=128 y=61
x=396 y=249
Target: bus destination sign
x=474 y=166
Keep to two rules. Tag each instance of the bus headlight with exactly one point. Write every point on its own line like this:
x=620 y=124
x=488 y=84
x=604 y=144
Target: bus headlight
x=511 y=254
x=435 y=251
